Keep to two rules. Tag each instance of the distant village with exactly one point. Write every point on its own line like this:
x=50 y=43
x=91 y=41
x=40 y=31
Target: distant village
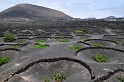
x=109 y=18
x=114 y=19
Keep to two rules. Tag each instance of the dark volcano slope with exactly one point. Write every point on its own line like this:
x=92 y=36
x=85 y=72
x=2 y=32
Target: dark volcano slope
x=31 y=12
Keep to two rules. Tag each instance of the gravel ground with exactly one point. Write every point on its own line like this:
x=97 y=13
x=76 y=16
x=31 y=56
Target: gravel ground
x=75 y=72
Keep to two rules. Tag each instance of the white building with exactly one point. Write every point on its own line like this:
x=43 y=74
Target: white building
x=114 y=19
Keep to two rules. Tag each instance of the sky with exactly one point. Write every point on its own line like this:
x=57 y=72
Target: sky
x=76 y=8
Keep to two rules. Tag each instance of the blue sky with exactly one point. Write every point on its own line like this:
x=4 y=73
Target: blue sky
x=76 y=8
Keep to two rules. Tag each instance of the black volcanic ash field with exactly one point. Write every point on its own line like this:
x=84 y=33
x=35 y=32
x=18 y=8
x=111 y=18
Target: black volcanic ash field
x=28 y=64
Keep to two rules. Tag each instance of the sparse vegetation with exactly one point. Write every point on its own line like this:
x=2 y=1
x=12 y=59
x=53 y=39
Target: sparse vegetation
x=97 y=45
x=41 y=46
x=41 y=40
x=120 y=78
x=119 y=41
x=84 y=38
x=100 y=58
x=63 y=40
x=111 y=24
x=16 y=47
x=39 y=62
x=8 y=37
x=61 y=37
x=4 y=60
x=46 y=80
x=123 y=43
x=59 y=76
x=75 y=47
x=21 y=41
x=78 y=31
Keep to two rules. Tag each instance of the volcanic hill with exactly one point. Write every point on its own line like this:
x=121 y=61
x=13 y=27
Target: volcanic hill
x=29 y=12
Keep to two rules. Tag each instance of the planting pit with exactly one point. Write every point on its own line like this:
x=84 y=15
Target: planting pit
x=36 y=73
x=114 y=57
x=11 y=53
x=101 y=42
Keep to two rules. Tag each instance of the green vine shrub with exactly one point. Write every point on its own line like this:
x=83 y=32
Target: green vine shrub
x=59 y=76
x=41 y=46
x=8 y=37
x=40 y=40
x=3 y=60
x=16 y=47
x=79 y=31
x=120 y=78
x=111 y=24
x=100 y=58
x=75 y=47
x=84 y=38
x=46 y=80
x=97 y=45
x=63 y=40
